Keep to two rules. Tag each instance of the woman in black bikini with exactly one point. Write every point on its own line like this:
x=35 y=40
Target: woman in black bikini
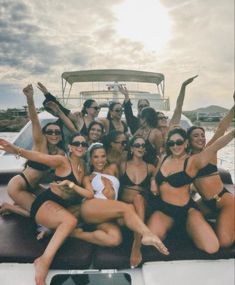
x=173 y=179
x=46 y=140
x=48 y=208
x=113 y=120
x=210 y=186
x=135 y=179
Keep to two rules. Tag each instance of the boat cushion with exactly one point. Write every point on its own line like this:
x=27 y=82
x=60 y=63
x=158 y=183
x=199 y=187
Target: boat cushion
x=18 y=244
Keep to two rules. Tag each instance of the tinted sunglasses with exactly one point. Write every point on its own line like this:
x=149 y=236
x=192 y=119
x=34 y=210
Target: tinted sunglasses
x=95 y=107
x=162 y=117
x=139 y=145
x=177 y=142
x=123 y=143
x=53 y=132
x=77 y=143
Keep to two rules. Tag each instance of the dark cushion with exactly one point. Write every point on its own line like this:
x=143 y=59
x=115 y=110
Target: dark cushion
x=18 y=244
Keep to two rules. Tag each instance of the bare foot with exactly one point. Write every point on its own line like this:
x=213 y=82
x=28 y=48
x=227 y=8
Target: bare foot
x=5 y=209
x=151 y=239
x=41 y=271
x=136 y=255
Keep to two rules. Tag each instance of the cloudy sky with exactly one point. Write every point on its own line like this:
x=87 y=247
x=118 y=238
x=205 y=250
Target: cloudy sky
x=41 y=39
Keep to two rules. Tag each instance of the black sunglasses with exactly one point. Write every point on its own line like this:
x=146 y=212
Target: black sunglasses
x=139 y=145
x=123 y=143
x=53 y=132
x=95 y=107
x=77 y=143
x=172 y=143
x=162 y=117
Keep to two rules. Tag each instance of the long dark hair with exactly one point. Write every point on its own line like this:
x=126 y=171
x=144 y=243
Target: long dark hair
x=130 y=144
x=111 y=137
x=150 y=116
x=178 y=131
x=86 y=104
x=95 y=123
x=111 y=106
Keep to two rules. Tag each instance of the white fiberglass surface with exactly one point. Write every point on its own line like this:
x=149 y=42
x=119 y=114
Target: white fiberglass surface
x=193 y=272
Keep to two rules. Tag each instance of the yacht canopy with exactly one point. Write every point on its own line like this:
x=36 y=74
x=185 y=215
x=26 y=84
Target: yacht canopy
x=104 y=75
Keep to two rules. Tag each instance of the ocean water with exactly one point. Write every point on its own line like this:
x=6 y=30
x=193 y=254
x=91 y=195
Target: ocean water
x=226 y=157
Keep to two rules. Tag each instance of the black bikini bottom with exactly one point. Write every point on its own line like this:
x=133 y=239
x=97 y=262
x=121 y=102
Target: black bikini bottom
x=28 y=186
x=178 y=213
x=211 y=204
x=47 y=195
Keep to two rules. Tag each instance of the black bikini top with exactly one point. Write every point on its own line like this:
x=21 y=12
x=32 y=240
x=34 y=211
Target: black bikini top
x=112 y=127
x=70 y=177
x=126 y=181
x=84 y=129
x=208 y=170
x=150 y=151
x=37 y=165
x=177 y=179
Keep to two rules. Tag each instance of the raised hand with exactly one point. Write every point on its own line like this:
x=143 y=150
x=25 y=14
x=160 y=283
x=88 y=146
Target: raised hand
x=42 y=88
x=8 y=147
x=28 y=90
x=53 y=106
x=190 y=80
x=123 y=90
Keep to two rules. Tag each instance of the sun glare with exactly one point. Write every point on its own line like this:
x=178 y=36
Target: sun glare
x=145 y=21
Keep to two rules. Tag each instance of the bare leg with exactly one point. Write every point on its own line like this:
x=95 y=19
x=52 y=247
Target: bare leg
x=99 y=211
x=52 y=216
x=7 y=208
x=136 y=255
x=17 y=191
x=225 y=222
x=106 y=234
x=159 y=223
x=201 y=232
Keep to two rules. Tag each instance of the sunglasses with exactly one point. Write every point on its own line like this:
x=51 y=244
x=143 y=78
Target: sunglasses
x=123 y=143
x=172 y=143
x=77 y=143
x=143 y=106
x=53 y=132
x=118 y=110
x=162 y=117
x=96 y=108
x=139 y=145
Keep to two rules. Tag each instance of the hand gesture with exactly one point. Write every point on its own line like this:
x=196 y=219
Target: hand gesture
x=28 y=90
x=7 y=146
x=53 y=106
x=123 y=90
x=190 y=80
x=42 y=88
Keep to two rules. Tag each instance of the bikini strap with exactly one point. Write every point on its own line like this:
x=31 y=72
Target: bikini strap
x=186 y=162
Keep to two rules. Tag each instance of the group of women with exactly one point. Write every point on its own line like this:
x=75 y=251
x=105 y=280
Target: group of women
x=106 y=177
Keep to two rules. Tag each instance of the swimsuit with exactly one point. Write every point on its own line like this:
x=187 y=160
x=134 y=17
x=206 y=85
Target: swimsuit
x=150 y=155
x=112 y=127
x=208 y=170
x=37 y=165
x=28 y=186
x=84 y=129
x=98 y=186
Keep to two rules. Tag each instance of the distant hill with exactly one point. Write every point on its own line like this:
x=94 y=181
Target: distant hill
x=211 y=109
x=192 y=115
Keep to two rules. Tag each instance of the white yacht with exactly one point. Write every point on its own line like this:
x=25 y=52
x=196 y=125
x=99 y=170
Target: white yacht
x=78 y=262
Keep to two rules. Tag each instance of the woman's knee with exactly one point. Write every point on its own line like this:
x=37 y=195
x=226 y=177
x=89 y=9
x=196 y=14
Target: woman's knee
x=115 y=240
x=211 y=247
x=70 y=221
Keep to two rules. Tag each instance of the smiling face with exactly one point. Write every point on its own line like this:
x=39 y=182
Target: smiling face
x=117 y=111
x=138 y=147
x=78 y=146
x=197 y=139
x=120 y=143
x=53 y=134
x=95 y=133
x=162 y=120
x=177 y=145
x=98 y=159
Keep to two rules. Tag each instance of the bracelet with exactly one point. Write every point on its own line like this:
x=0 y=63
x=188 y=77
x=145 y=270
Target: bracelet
x=71 y=184
x=19 y=152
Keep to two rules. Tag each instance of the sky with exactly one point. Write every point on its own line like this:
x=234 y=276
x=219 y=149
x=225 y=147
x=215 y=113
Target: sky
x=41 y=39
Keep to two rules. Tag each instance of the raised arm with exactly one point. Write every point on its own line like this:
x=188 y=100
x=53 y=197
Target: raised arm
x=223 y=124
x=66 y=120
x=53 y=161
x=201 y=159
x=38 y=137
x=175 y=120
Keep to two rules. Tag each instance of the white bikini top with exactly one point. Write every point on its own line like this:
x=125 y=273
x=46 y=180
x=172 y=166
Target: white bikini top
x=98 y=186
